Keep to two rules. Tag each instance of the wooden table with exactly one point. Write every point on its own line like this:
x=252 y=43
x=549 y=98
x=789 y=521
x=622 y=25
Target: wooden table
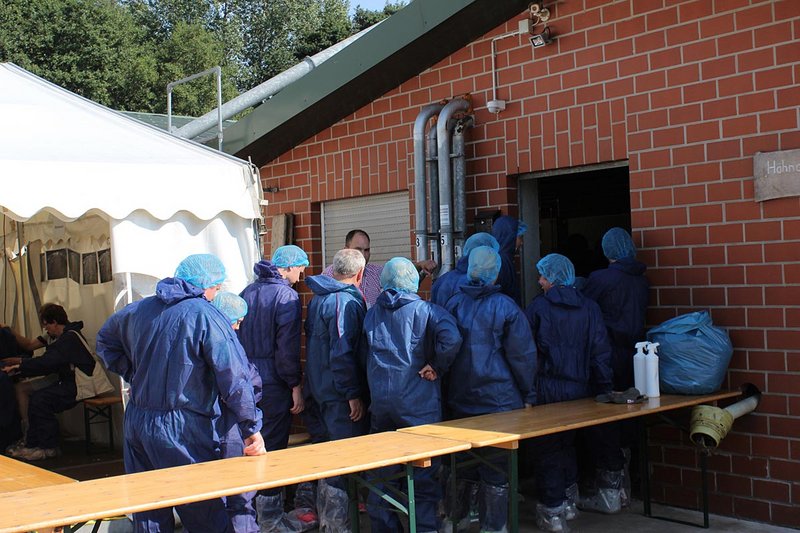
x=48 y=506
x=505 y=430
x=16 y=475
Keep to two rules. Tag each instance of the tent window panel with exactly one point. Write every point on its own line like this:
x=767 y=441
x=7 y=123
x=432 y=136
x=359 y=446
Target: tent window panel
x=57 y=264
x=42 y=267
x=104 y=260
x=90 y=271
x=74 y=266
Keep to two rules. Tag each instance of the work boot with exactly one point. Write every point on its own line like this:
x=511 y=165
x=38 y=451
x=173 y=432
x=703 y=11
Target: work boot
x=34 y=454
x=608 y=498
x=457 y=513
x=332 y=508
x=571 y=511
x=552 y=518
x=493 y=508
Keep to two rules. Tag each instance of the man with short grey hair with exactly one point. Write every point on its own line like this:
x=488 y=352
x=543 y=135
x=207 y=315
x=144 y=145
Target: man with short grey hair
x=335 y=367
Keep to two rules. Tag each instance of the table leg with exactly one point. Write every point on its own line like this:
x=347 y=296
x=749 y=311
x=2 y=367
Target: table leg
x=412 y=504
x=513 y=476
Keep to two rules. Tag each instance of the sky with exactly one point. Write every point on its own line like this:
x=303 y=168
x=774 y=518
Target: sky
x=372 y=5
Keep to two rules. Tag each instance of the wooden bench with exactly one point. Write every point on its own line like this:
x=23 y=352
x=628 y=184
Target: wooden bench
x=99 y=410
x=505 y=430
x=49 y=506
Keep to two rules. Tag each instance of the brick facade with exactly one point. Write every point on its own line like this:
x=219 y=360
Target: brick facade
x=687 y=92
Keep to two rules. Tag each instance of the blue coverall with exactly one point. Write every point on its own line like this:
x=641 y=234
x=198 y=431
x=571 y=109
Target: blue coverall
x=573 y=362
x=404 y=333
x=181 y=357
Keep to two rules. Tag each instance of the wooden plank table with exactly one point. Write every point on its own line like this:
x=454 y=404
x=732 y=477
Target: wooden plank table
x=49 y=506
x=505 y=430
x=16 y=475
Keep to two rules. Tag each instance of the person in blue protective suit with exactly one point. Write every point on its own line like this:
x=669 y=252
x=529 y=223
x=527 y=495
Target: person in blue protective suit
x=509 y=231
x=493 y=372
x=65 y=352
x=241 y=512
x=411 y=343
x=447 y=284
x=181 y=357
x=270 y=334
x=573 y=362
x=621 y=291
x=335 y=368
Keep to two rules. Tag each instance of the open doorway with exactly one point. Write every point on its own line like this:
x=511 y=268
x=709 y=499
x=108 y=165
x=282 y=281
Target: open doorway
x=568 y=211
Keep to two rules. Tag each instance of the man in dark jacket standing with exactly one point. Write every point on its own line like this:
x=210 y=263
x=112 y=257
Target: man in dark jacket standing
x=574 y=362
x=621 y=291
x=335 y=368
x=509 y=231
x=270 y=335
x=66 y=351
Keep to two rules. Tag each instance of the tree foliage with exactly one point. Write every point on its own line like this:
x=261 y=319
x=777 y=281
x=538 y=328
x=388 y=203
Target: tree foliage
x=122 y=53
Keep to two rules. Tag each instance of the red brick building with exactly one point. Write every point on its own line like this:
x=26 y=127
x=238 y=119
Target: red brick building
x=667 y=99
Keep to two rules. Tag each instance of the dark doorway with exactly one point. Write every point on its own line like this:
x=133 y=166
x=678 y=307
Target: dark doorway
x=571 y=210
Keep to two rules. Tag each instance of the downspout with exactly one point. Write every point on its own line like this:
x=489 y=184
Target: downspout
x=459 y=177
x=433 y=192
x=265 y=90
x=420 y=194
x=445 y=177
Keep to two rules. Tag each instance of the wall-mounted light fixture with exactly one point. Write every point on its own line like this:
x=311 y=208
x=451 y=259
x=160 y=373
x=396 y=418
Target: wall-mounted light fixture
x=541 y=39
x=538 y=14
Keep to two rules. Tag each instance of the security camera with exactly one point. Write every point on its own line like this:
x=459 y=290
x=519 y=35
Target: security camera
x=495 y=106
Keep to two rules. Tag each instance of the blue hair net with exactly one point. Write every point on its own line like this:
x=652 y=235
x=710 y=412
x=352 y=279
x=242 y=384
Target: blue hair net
x=480 y=239
x=617 y=244
x=201 y=270
x=232 y=306
x=400 y=274
x=521 y=228
x=484 y=265
x=289 y=256
x=557 y=269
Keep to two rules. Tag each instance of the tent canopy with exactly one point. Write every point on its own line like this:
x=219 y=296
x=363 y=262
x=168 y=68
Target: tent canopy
x=69 y=155
x=83 y=183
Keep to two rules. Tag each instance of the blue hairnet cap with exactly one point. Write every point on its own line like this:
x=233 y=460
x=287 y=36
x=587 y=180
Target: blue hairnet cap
x=557 y=269
x=617 y=244
x=521 y=228
x=289 y=256
x=201 y=270
x=400 y=274
x=480 y=239
x=232 y=306
x=484 y=265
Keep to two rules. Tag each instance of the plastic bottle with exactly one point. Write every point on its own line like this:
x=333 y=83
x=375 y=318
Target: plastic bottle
x=639 y=372
x=651 y=370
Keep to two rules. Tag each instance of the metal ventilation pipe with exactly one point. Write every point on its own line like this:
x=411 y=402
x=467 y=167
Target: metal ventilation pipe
x=265 y=90
x=445 y=178
x=710 y=424
x=459 y=177
x=420 y=194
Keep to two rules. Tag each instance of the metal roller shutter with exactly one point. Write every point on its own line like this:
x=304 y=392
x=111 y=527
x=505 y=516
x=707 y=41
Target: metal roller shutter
x=384 y=217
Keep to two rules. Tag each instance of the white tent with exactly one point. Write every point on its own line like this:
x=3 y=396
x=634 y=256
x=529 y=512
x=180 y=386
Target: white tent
x=96 y=206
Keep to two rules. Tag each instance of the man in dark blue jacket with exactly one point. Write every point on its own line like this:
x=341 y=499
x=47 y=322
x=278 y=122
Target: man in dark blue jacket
x=621 y=291
x=65 y=351
x=493 y=372
x=574 y=362
x=447 y=284
x=270 y=335
x=509 y=231
x=335 y=368
x=181 y=357
x=411 y=342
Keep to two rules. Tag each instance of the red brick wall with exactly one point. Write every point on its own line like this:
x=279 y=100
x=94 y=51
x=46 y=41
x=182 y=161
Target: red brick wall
x=687 y=91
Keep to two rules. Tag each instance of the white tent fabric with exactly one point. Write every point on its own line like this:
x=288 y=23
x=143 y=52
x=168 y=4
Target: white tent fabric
x=73 y=155
x=161 y=197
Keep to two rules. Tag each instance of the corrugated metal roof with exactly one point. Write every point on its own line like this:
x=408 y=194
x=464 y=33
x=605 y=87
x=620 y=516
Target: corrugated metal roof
x=413 y=39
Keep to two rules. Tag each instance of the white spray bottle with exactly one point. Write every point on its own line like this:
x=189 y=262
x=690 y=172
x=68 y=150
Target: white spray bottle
x=651 y=370
x=639 y=371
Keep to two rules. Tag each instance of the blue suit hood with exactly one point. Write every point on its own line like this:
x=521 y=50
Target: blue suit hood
x=629 y=265
x=504 y=229
x=172 y=290
x=479 y=291
x=392 y=299
x=265 y=270
x=565 y=296
x=322 y=285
